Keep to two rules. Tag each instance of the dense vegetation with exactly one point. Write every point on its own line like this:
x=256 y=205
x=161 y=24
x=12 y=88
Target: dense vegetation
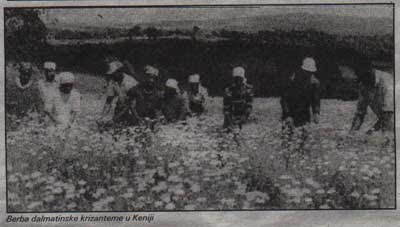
x=194 y=166
x=268 y=56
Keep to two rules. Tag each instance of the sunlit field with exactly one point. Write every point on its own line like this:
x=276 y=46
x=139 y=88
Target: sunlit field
x=195 y=166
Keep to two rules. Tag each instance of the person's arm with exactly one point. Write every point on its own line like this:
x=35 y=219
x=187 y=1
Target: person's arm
x=227 y=102
x=122 y=112
x=47 y=109
x=316 y=100
x=183 y=109
x=204 y=93
x=135 y=113
x=107 y=105
x=186 y=103
x=362 y=107
x=76 y=106
x=132 y=95
x=52 y=118
x=110 y=95
x=284 y=101
x=23 y=87
x=249 y=98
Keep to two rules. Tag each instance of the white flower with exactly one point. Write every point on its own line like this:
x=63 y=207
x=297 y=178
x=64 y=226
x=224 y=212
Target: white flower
x=170 y=206
x=355 y=194
x=195 y=187
x=375 y=191
x=190 y=207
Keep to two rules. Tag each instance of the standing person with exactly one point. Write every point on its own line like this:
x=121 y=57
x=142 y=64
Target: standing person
x=238 y=100
x=173 y=104
x=47 y=85
x=65 y=102
x=117 y=90
x=375 y=91
x=300 y=101
x=25 y=93
x=196 y=96
x=146 y=98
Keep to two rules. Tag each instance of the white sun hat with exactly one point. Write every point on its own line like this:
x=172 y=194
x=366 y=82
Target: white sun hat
x=25 y=66
x=150 y=70
x=172 y=83
x=238 y=72
x=309 y=65
x=114 y=66
x=49 y=65
x=66 y=78
x=195 y=78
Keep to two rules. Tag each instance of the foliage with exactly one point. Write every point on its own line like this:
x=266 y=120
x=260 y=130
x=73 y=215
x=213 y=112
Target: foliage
x=135 y=31
x=267 y=68
x=25 y=34
x=152 y=32
x=268 y=56
x=195 y=31
x=195 y=166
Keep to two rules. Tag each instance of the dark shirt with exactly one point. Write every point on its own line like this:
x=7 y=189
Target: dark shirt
x=238 y=100
x=147 y=103
x=301 y=93
x=173 y=108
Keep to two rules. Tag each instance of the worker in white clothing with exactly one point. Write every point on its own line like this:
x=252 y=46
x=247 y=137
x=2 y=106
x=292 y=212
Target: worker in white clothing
x=376 y=91
x=65 y=104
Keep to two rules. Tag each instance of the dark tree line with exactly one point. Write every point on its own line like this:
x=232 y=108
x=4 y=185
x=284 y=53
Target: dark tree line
x=268 y=56
x=25 y=34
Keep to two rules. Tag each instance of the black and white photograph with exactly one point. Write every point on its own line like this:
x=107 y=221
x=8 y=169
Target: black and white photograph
x=200 y=108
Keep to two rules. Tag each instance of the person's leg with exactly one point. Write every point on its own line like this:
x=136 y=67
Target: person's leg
x=288 y=138
x=378 y=124
x=228 y=122
x=287 y=135
x=387 y=124
x=304 y=132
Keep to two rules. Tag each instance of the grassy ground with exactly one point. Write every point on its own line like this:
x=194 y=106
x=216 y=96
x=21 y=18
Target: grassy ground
x=195 y=166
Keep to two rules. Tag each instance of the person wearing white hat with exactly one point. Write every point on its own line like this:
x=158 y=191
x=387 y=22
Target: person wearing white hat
x=145 y=99
x=64 y=107
x=376 y=91
x=309 y=65
x=48 y=85
x=237 y=101
x=173 y=104
x=151 y=79
x=151 y=71
x=300 y=99
x=119 y=84
x=196 y=95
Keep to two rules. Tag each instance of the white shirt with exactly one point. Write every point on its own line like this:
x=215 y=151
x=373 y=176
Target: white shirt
x=120 y=90
x=384 y=81
x=47 y=91
x=65 y=105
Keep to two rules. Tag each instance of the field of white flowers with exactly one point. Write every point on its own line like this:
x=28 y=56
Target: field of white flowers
x=194 y=166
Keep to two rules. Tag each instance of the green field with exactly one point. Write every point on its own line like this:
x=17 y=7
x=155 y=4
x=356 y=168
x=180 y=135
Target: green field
x=194 y=166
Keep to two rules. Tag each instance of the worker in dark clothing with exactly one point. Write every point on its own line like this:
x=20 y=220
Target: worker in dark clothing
x=146 y=99
x=173 y=104
x=301 y=95
x=300 y=105
x=238 y=101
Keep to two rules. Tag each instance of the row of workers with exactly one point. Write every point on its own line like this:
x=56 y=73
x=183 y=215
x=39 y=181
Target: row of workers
x=128 y=101
x=131 y=102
